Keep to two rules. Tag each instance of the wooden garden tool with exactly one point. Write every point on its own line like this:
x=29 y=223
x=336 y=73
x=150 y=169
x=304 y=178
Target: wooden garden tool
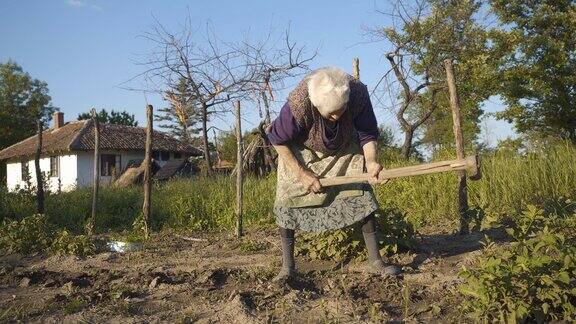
x=470 y=164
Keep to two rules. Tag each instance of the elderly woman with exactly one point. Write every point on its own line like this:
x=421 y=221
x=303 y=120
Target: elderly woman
x=327 y=128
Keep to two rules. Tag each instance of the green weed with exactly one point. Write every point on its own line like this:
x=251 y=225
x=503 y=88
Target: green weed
x=532 y=280
x=345 y=244
x=74 y=306
x=34 y=234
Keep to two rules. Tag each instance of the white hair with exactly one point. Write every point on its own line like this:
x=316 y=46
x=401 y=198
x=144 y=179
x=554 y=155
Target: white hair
x=328 y=89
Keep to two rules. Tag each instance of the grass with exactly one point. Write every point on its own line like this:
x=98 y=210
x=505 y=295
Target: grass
x=509 y=183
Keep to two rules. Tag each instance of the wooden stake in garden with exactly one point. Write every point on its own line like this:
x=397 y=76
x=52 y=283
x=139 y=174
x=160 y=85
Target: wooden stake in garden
x=96 y=179
x=457 y=127
x=39 y=182
x=147 y=172
x=239 y=172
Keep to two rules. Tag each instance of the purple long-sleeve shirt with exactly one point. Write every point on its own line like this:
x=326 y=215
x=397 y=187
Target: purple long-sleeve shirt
x=285 y=130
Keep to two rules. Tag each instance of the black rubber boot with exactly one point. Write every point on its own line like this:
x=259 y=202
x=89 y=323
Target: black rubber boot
x=375 y=263
x=288 y=263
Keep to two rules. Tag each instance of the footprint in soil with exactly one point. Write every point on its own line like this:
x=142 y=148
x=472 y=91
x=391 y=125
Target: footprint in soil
x=213 y=279
x=51 y=279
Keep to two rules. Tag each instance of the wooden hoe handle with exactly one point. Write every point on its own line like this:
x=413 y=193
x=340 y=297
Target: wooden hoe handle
x=470 y=163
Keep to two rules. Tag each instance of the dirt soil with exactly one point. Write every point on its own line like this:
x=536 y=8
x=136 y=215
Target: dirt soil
x=214 y=277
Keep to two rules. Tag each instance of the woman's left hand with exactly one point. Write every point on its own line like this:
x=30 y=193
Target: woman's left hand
x=373 y=169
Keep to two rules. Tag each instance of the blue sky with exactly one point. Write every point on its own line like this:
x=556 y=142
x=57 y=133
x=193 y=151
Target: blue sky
x=85 y=49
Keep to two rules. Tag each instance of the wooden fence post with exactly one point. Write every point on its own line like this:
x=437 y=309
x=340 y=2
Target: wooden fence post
x=39 y=182
x=239 y=172
x=356 y=68
x=96 y=174
x=457 y=127
x=147 y=172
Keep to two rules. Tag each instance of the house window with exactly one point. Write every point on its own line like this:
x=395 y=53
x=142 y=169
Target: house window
x=156 y=155
x=109 y=165
x=177 y=155
x=164 y=156
x=54 y=166
x=24 y=170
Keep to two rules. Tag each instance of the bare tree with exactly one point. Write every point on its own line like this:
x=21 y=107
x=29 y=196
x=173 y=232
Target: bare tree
x=214 y=72
x=275 y=64
x=201 y=76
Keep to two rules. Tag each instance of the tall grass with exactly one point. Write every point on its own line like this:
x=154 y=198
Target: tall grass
x=508 y=184
x=203 y=203
x=198 y=203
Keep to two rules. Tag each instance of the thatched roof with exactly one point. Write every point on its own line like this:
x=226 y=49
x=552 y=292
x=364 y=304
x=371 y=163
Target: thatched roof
x=79 y=136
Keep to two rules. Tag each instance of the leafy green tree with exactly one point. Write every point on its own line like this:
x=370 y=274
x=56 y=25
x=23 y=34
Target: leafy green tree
x=437 y=30
x=539 y=79
x=23 y=100
x=114 y=117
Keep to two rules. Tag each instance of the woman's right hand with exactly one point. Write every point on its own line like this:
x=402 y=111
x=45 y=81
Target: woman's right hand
x=310 y=181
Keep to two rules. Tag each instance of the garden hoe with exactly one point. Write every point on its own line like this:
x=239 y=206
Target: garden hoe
x=470 y=164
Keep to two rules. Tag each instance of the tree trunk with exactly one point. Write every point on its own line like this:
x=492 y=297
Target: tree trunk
x=96 y=175
x=207 y=158
x=268 y=159
x=147 y=172
x=267 y=119
x=407 y=146
x=457 y=128
x=239 y=172
x=39 y=182
x=356 y=68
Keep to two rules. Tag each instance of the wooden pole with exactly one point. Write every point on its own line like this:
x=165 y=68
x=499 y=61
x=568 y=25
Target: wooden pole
x=39 y=182
x=206 y=147
x=96 y=174
x=239 y=172
x=147 y=172
x=457 y=127
x=356 y=68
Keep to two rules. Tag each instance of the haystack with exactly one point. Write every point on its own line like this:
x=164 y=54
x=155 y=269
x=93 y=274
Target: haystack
x=259 y=158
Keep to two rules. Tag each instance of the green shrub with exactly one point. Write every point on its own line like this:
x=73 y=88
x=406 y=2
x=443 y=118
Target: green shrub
x=31 y=234
x=34 y=234
x=345 y=244
x=66 y=243
x=532 y=280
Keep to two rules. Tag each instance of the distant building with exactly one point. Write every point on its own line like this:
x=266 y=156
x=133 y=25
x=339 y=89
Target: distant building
x=68 y=154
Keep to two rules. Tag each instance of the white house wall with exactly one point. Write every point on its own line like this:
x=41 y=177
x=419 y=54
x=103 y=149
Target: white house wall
x=13 y=175
x=76 y=170
x=86 y=165
x=67 y=174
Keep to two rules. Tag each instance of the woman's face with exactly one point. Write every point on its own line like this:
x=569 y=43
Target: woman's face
x=335 y=115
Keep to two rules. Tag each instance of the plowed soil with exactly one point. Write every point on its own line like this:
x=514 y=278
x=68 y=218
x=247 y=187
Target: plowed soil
x=215 y=277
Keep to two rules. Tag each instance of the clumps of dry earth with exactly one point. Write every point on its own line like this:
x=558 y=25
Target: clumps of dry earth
x=217 y=278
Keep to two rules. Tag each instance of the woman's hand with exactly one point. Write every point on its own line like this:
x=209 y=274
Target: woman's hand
x=373 y=169
x=310 y=181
